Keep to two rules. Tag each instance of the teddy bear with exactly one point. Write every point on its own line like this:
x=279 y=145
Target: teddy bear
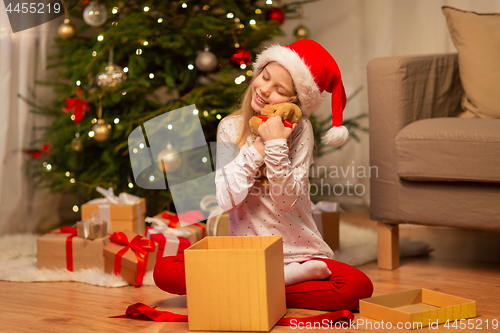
x=289 y=112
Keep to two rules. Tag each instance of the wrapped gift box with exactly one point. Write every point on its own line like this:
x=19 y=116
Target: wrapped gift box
x=168 y=245
x=235 y=283
x=327 y=218
x=218 y=225
x=196 y=230
x=420 y=307
x=92 y=228
x=218 y=220
x=53 y=250
x=119 y=216
x=130 y=267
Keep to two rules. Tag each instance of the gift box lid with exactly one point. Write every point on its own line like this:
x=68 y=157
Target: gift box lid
x=129 y=259
x=422 y=306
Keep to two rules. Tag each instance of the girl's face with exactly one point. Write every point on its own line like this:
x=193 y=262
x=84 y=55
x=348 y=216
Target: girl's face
x=273 y=85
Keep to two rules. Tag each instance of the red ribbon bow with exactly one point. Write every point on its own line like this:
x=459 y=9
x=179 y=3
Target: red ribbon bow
x=78 y=105
x=69 y=245
x=286 y=123
x=143 y=312
x=37 y=153
x=140 y=245
x=190 y=217
x=172 y=217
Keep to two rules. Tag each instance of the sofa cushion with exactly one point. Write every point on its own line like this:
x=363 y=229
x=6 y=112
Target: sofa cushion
x=477 y=39
x=449 y=149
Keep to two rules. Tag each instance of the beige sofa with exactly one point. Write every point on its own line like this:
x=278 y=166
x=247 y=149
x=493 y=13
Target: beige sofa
x=433 y=167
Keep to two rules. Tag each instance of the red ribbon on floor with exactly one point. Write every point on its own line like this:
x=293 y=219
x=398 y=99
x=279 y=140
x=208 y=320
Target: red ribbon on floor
x=140 y=245
x=286 y=123
x=69 y=245
x=143 y=312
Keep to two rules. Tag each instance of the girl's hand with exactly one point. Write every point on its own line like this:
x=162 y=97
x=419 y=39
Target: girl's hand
x=273 y=128
x=259 y=146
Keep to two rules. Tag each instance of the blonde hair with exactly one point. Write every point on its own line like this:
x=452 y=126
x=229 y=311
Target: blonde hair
x=247 y=112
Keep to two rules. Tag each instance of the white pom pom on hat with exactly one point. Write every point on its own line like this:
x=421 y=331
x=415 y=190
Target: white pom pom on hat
x=313 y=71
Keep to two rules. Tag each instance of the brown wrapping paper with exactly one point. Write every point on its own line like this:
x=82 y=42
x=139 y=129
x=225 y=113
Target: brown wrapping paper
x=123 y=217
x=51 y=252
x=128 y=269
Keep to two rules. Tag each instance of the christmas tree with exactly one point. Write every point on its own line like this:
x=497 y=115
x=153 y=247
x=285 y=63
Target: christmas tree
x=130 y=61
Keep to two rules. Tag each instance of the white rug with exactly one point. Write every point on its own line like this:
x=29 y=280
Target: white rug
x=18 y=261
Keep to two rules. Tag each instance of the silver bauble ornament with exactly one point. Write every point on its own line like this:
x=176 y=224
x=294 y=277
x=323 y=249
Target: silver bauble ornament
x=206 y=61
x=301 y=32
x=95 y=14
x=204 y=80
x=171 y=159
x=66 y=30
x=102 y=130
x=112 y=76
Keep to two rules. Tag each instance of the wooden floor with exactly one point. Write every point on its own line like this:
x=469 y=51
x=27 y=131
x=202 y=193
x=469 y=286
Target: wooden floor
x=464 y=263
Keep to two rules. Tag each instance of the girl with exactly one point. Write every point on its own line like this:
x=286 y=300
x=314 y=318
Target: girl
x=299 y=72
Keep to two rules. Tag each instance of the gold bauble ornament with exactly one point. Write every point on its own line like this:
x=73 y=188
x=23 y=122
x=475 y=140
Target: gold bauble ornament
x=76 y=144
x=301 y=32
x=102 y=130
x=111 y=77
x=66 y=30
x=171 y=159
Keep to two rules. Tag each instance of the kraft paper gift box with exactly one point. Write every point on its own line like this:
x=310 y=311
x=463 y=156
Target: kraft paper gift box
x=60 y=249
x=419 y=307
x=218 y=225
x=168 y=244
x=123 y=212
x=235 y=283
x=327 y=217
x=196 y=229
x=129 y=256
x=218 y=220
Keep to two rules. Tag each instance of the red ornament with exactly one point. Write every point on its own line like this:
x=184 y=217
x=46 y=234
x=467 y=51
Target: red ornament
x=78 y=105
x=240 y=56
x=37 y=153
x=275 y=14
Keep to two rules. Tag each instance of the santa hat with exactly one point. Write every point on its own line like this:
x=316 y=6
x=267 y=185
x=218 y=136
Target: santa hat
x=313 y=71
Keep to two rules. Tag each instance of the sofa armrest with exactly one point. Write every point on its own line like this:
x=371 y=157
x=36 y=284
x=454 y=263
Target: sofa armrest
x=402 y=90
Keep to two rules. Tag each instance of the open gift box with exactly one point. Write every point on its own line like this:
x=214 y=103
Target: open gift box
x=420 y=307
x=61 y=249
x=235 y=283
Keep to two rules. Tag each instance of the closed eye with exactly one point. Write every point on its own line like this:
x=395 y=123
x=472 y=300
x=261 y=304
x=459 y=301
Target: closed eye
x=275 y=111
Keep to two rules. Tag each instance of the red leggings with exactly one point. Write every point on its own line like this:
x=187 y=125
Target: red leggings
x=342 y=291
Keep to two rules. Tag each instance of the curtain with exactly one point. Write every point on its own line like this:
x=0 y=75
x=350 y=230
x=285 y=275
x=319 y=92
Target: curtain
x=23 y=206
